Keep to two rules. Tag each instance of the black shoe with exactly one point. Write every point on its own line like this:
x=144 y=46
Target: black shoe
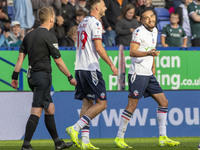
x=63 y=145
x=28 y=148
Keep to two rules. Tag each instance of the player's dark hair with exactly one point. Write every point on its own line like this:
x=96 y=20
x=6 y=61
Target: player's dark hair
x=147 y=9
x=91 y=3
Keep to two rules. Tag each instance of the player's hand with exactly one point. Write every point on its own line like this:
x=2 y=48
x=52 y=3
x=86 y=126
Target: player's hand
x=183 y=45
x=153 y=52
x=165 y=45
x=114 y=70
x=73 y=82
x=14 y=83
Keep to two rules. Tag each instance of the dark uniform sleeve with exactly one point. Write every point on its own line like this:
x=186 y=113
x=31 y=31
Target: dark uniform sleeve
x=52 y=44
x=22 y=48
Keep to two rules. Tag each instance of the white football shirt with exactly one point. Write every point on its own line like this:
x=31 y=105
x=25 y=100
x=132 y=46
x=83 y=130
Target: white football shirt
x=147 y=40
x=87 y=57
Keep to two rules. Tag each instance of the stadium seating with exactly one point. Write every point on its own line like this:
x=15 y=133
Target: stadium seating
x=161 y=24
x=162 y=14
x=10 y=11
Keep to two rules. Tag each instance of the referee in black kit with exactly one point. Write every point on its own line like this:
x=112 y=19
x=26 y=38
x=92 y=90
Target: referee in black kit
x=39 y=44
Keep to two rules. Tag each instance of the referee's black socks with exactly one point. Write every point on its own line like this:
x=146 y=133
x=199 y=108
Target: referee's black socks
x=51 y=127
x=30 y=129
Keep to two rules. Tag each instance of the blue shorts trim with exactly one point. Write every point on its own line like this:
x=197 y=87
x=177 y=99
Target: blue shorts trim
x=143 y=86
x=90 y=85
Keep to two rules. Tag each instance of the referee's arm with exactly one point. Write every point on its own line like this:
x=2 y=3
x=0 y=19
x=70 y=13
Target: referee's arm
x=17 y=69
x=63 y=68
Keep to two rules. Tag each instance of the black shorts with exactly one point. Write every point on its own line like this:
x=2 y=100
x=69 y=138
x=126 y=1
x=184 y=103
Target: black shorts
x=143 y=86
x=90 y=85
x=40 y=84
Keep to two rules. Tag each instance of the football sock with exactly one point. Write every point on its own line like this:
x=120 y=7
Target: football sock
x=83 y=121
x=125 y=117
x=51 y=127
x=30 y=129
x=85 y=134
x=162 y=119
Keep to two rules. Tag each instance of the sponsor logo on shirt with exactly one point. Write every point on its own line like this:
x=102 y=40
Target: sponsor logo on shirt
x=55 y=45
x=91 y=95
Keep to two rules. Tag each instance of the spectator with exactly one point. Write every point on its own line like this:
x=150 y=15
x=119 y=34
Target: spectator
x=4 y=39
x=177 y=3
x=81 y=5
x=138 y=5
x=23 y=12
x=6 y=26
x=194 y=15
x=65 y=15
x=169 y=5
x=16 y=35
x=146 y=4
x=70 y=38
x=37 y=4
x=172 y=34
x=73 y=2
x=80 y=15
x=126 y=24
x=3 y=13
x=113 y=11
x=184 y=19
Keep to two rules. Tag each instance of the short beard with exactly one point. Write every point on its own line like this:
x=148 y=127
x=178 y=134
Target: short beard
x=149 y=27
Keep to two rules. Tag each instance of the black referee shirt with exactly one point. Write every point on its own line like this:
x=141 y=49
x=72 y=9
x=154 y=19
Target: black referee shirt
x=40 y=44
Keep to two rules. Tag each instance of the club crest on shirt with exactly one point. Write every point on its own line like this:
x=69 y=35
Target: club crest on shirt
x=180 y=31
x=95 y=79
x=97 y=24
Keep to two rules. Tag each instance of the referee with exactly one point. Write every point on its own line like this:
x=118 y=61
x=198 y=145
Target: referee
x=40 y=44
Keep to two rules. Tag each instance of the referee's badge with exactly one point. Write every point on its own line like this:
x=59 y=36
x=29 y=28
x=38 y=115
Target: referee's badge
x=95 y=79
x=133 y=77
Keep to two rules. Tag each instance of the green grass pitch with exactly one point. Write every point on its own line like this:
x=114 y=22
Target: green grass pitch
x=187 y=143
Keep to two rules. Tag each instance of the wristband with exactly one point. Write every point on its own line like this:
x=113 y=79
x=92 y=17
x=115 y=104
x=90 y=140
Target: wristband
x=15 y=75
x=70 y=77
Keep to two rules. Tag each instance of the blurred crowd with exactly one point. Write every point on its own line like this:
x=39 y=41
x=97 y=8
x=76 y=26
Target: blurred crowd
x=121 y=19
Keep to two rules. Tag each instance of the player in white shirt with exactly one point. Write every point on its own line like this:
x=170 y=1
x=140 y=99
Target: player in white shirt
x=90 y=84
x=142 y=81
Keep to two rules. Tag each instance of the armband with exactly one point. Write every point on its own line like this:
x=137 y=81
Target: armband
x=15 y=75
x=70 y=77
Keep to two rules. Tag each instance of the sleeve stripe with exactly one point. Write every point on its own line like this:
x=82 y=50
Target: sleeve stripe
x=97 y=39
x=135 y=42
